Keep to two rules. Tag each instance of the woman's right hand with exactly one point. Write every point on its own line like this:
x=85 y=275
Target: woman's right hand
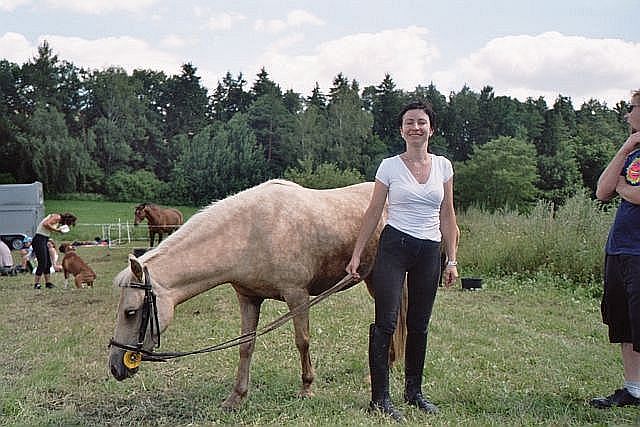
x=352 y=267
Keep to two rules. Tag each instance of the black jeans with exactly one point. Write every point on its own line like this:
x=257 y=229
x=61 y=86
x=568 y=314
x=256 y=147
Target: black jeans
x=399 y=254
x=41 y=250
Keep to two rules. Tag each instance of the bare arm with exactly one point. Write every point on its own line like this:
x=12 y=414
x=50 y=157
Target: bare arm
x=51 y=222
x=369 y=222
x=450 y=232
x=628 y=192
x=608 y=181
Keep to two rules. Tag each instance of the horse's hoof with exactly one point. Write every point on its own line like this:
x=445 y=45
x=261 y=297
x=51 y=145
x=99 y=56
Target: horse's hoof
x=226 y=408
x=231 y=404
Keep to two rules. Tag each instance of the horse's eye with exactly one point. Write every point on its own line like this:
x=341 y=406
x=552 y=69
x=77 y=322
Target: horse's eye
x=130 y=313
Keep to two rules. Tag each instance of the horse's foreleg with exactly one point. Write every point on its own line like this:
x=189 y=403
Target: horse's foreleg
x=301 y=326
x=250 y=314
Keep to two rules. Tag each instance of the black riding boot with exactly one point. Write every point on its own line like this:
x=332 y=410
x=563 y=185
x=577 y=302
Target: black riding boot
x=379 y=367
x=415 y=350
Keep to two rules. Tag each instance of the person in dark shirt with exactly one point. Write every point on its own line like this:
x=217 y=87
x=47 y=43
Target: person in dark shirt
x=621 y=299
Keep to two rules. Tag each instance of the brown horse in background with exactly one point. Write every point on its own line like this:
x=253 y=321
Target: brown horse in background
x=160 y=220
x=275 y=241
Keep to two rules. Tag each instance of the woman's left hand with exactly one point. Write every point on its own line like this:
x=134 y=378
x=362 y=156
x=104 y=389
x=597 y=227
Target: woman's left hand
x=450 y=275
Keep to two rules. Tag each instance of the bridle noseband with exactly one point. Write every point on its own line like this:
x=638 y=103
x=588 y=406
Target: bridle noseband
x=149 y=320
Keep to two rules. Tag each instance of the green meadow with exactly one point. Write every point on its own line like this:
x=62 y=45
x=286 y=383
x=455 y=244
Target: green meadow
x=527 y=349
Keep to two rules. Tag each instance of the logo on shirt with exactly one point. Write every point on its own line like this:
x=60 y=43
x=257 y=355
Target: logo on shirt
x=633 y=172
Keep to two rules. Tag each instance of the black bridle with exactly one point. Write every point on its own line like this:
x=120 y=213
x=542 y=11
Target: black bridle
x=150 y=309
x=149 y=320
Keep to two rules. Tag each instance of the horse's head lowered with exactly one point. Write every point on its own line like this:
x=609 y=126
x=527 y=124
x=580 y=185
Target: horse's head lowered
x=142 y=316
x=140 y=213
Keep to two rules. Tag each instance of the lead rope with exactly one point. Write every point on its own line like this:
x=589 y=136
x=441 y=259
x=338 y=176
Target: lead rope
x=249 y=336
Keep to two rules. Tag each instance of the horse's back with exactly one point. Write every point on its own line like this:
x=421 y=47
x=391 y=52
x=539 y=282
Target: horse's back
x=170 y=218
x=288 y=235
x=174 y=216
x=330 y=210
x=314 y=230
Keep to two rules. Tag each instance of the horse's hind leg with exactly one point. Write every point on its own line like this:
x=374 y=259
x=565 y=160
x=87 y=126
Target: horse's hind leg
x=250 y=314
x=301 y=326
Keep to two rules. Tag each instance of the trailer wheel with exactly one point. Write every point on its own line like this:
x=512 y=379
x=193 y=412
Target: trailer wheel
x=16 y=243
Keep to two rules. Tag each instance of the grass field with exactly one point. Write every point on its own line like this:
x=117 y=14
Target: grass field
x=525 y=350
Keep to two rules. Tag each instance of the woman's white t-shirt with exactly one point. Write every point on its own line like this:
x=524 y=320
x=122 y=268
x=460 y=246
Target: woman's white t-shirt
x=414 y=208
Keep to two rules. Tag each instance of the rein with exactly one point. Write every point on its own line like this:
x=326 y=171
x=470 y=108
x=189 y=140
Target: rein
x=150 y=321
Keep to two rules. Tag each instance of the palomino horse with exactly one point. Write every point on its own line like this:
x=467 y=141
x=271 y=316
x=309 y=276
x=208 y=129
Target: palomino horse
x=274 y=241
x=160 y=220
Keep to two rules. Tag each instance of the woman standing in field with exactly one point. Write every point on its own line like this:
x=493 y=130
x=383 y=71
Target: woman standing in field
x=419 y=188
x=52 y=222
x=621 y=298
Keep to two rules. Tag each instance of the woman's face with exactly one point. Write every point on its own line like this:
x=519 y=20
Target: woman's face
x=633 y=116
x=415 y=126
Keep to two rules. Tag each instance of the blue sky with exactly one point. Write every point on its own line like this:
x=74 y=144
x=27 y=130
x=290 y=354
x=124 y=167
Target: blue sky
x=578 y=48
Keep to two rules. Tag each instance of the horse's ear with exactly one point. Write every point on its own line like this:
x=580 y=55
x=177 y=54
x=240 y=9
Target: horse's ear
x=136 y=268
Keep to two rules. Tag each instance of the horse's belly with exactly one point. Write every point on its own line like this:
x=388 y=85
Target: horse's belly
x=265 y=291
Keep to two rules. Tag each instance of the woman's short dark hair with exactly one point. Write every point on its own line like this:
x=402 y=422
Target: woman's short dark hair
x=419 y=105
x=68 y=218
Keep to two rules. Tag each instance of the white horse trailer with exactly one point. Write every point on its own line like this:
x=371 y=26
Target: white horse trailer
x=21 y=210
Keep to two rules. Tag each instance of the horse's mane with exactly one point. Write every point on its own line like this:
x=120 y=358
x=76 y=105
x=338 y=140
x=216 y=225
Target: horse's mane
x=120 y=277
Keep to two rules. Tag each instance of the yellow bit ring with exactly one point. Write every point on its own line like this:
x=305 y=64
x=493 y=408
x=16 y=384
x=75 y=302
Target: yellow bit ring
x=132 y=360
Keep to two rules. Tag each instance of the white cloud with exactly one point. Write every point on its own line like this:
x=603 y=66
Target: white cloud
x=299 y=18
x=174 y=41
x=125 y=52
x=290 y=40
x=96 y=7
x=11 y=5
x=547 y=65
x=270 y=25
x=295 y=19
x=404 y=53
x=224 y=21
x=16 y=48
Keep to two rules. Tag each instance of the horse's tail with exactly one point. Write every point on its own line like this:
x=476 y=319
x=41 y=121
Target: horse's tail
x=399 y=337
x=180 y=220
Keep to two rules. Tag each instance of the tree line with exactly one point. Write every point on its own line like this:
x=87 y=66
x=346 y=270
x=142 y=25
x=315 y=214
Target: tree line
x=147 y=136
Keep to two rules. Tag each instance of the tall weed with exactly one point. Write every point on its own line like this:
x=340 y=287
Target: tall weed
x=567 y=242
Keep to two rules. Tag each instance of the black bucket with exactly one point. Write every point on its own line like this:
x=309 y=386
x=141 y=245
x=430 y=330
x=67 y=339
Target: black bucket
x=471 y=283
